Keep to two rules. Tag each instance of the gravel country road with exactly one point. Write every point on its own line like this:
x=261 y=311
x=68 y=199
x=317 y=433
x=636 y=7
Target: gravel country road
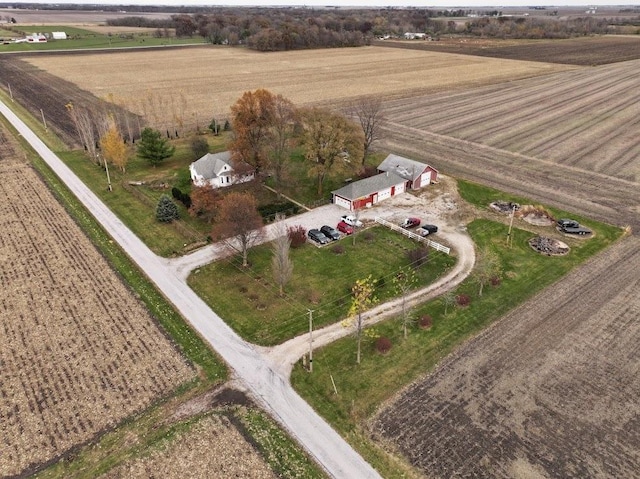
x=270 y=388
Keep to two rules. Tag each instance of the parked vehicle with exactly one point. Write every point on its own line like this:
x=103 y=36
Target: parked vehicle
x=567 y=223
x=426 y=230
x=572 y=227
x=318 y=236
x=352 y=221
x=345 y=228
x=575 y=230
x=410 y=222
x=330 y=232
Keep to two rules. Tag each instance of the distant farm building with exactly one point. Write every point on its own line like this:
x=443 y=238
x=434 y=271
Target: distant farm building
x=369 y=191
x=36 y=38
x=59 y=35
x=217 y=170
x=415 y=173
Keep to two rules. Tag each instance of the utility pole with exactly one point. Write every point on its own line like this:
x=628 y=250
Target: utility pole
x=513 y=213
x=310 y=340
x=10 y=92
x=44 y=122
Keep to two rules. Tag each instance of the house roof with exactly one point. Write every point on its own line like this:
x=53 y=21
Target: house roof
x=367 y=186
x=406 y=168
x=212 y=164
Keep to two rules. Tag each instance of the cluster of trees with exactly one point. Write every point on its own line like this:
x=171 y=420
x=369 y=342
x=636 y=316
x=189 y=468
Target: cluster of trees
x=535 y=28
x=269 y=29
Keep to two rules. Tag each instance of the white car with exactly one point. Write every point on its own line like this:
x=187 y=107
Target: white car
x=352 y=220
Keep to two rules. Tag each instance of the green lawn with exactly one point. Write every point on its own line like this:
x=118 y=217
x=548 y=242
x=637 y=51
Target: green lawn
x=249 y=302
x=78 y=38
x=362 y=388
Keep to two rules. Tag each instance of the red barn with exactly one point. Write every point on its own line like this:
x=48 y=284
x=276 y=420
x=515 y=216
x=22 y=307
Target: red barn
x=369 y=191
x=415 y=173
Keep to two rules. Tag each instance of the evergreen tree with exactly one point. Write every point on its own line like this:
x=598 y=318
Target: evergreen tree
x=167 y=211
x=153 y=147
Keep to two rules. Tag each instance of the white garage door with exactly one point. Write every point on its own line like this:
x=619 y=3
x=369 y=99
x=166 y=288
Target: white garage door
x=340 y=201
x=384 y=194
x=425 y=179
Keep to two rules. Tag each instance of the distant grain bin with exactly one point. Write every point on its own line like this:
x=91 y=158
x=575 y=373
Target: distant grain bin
x=59 y=35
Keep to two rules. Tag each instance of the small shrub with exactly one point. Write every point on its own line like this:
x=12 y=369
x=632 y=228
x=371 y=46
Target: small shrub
x=380 y=282
x=418 y=256
x=227 y=125
x=315 y=296
x=338 y=249
x=495 y=281
x=425 y=322
x=297 y=235
x=253 y=297
x=383 y=345
x=243 y=289
x=167 y=210
x=368 y=236
x=463 y=300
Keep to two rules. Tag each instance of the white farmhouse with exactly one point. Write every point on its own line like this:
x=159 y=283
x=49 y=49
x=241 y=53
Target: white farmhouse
x=217 y=170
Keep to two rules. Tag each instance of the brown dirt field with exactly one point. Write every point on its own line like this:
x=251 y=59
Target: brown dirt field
x=551 y=390
x=212 y=447
x=587 y=118
x=585 y=51
x=204 y=81
x=78 y=352
x=71 y=17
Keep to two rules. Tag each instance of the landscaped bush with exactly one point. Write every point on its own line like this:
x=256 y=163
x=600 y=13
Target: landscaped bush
x=463 y=300
x=338 y=249
x=297 y=235
x=269 y=211
x=425 y=322
x=418 y=256
x=383 y=345
x=183 y=198
x=495 y=281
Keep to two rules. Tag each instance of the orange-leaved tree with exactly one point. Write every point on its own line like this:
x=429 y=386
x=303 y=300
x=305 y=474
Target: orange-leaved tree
x=239 y=223
x=252 y=119
x=113 y=147
x=332 y=144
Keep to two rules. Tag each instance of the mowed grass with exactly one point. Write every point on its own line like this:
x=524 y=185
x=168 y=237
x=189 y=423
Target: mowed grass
x=360 y=389
x=249 y=301
x=79 y=38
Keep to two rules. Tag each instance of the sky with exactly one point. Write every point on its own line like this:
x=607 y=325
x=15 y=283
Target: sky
x=347 y=3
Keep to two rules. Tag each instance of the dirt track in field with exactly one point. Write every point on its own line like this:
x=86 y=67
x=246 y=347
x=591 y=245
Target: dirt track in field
x=78 y=352
x=549 y=391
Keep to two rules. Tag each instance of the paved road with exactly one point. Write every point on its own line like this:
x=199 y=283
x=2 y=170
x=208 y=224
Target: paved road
x=270 y=387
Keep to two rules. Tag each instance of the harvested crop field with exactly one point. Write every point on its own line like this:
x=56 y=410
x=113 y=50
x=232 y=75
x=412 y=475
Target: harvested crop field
x=585 y=51
x=587 y=118
x=212 y=447
x=549 y=391
x=196 y=83
x=78 y=352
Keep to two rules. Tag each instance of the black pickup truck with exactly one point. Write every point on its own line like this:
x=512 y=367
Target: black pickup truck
x=572 y=227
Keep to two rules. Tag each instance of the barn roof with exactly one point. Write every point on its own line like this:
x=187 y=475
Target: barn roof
x=367 y=186
x=212 y=164
x=406 y=168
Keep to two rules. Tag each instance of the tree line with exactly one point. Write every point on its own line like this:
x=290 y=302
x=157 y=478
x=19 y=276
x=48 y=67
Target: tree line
x=273 y=29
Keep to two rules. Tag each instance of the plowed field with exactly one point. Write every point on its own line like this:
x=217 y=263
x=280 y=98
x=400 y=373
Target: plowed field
x=78 y=352
x=549 y=391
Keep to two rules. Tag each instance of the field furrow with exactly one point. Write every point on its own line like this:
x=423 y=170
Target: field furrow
x=551 y=389
x=78 y=352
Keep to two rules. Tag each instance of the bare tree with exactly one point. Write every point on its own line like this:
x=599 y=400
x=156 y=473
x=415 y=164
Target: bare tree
x=83 y=122
x=448 y=299
x=368 y=111
x=404 y=282
x=284 y=118
x=487 y=267
x=239 y=223
x=281 y=261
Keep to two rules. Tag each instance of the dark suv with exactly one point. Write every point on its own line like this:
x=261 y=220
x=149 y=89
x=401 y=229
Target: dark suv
x=567 y=223
x=330 y=232
x=318 y=236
